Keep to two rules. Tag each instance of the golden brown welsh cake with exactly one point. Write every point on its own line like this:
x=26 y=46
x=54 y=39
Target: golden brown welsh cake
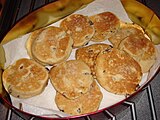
x=89 y=54
x=125 y=30
x=141 y=49
x=25 y=78
x=117 y=72
x=106 y=24
x=53 y=45
x=131 y=38
x=86 y=103
x=71 y=78
x=79 y=27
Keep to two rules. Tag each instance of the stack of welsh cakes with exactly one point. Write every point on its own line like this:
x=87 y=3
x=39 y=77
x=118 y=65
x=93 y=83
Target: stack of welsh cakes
x=117 y=67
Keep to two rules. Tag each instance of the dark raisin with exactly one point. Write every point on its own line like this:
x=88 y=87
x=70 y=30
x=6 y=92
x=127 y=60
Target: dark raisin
x=86 y=74
x=90 y=22
x=107 y=50
x=79 y=110
x=62 y=110
x=54 y=49
x=21 y=67
x=90 y=51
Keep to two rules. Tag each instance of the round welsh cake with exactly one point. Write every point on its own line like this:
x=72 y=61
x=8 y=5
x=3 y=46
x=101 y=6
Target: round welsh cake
x=53 y=45
x=71 y=78
x=106 y=24
x=117 y=72
x=25 y=78
x=79 y=27
x=86 y=103
x=125 y=30
x=141 y=49
x=89 y=54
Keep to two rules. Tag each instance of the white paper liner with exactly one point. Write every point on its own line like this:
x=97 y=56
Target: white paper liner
x=15 y=50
